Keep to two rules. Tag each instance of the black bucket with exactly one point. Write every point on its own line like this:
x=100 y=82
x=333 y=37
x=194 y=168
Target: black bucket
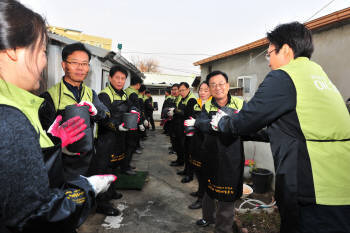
x=261 y=180
x=85 y=144
x=130 y=120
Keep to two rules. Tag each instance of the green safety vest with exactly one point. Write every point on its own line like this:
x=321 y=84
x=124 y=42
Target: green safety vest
x=144 y=98
x=131 y=90
x=325 y=123
x=62 y=96
x=198 y=106
x=234 y=102
x=169 y=97
x=112 y=95
x=28 y=104
x=177 y=100
x=189 y=96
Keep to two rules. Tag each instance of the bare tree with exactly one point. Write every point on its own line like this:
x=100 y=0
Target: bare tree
x=146 y=64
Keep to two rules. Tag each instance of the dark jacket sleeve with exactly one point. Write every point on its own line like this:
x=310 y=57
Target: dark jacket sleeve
x=275 y=96
x=168 y=103
x=148 y=106
x=102 y=111
x=260 y=136
x=203 y=122
x=134 y=102
x=189 y=111
x=25 y=194
x=108 y=122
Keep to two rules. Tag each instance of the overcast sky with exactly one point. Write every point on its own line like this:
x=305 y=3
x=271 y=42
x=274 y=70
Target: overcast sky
x=164 y=28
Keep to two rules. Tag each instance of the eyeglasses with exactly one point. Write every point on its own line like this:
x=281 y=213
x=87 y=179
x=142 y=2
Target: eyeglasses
x=216 y=85
x=77 y=64
x=267 y=55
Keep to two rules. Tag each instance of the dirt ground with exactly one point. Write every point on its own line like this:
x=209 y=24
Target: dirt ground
x=162 y=205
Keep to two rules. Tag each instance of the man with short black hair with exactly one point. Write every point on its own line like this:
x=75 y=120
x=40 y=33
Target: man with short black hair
x=223 y=160
x=111 y=137
x=142 y=134
x=168 y=102
x=309 y=129
x=183 y=111
x=71 y=90
x=132 y=136
x=149 y=108
x=170 y=113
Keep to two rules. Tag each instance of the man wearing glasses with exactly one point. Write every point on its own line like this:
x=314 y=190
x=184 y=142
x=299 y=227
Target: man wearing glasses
x=71 y=91
x=309 y=130
x=223 y=160
x=183 y=111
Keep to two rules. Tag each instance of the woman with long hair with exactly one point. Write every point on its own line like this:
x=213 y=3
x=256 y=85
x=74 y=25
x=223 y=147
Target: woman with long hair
x=196 y=155
x=34 y=196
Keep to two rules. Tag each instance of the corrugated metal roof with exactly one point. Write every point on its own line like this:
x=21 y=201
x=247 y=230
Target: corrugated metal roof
x=318 y=23
x=155 y=79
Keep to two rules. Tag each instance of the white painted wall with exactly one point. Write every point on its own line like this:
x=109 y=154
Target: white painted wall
x=54 y=68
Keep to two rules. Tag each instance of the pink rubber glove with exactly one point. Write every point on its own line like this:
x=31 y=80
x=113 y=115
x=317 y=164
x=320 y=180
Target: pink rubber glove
x=138 y=115
x=70 y=131
x=92 y=109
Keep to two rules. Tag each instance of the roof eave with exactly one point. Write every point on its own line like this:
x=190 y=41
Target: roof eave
x=315 y=24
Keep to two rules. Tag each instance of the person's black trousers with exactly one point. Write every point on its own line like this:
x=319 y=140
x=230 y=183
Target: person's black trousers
x=151 y=120
x=131 y=145
x=221 y=213
x=188 y=165
x=202 y=181
x=180 y=148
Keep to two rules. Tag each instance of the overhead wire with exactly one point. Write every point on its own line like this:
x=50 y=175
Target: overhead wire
x=172 y=54
x=180 y=70
x=264 y=51
x=203 y=54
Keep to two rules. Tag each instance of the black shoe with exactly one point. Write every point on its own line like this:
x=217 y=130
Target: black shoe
x=194 y=194
x=235 y=228
x=203 y=223
x=196 y=205
x=171 y=152
x=117 y=195
x=181 y=173
x=129 y=172
x=186 y=179
x=176 y=164
x=132 y=167
x=107 y=210
x=138 y=151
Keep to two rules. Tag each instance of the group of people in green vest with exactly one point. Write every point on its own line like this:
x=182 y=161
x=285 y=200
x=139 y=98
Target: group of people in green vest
x=298 y=110
x=216 y=159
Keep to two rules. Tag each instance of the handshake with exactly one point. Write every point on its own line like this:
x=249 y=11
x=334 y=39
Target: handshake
x=216 y=118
